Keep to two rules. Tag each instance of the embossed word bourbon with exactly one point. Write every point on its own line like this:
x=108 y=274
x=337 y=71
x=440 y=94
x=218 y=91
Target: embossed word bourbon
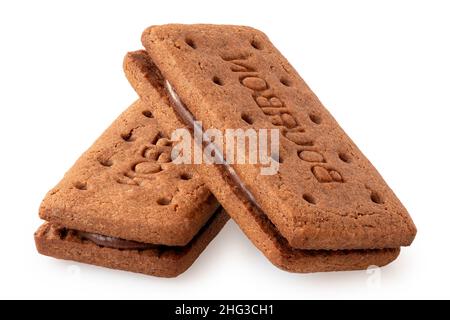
x=280 y=116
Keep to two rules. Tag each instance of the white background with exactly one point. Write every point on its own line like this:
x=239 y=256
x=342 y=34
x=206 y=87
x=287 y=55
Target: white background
x=382 y=68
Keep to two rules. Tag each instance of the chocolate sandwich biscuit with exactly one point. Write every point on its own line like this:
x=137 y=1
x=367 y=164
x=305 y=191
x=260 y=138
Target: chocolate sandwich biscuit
x=326 y=195
x=148 y=81
x=125 y=205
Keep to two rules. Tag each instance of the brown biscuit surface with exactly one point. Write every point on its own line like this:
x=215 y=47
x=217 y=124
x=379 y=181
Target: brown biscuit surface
x=163 y=261
x=327 y=195
x=142 y=75
x=125 y=186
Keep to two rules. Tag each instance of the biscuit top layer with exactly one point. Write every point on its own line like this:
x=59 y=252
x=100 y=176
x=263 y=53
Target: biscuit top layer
x=125 y=186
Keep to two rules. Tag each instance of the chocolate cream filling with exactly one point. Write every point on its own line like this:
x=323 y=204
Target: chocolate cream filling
x=115 y=243
x=188 y=118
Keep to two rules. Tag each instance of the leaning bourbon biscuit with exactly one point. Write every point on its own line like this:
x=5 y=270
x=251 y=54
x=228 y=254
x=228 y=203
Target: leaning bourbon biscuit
x=125 y=205
x=326 y=195
x=147 y=81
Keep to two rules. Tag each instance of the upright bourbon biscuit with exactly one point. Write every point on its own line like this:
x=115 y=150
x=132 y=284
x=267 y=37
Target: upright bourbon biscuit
x=124 y=204
x=148 y=82
x=326 y=195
